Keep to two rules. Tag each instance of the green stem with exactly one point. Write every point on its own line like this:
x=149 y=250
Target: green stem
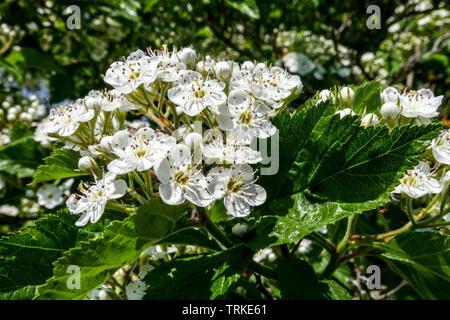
x=323 y=241
x=409 y=211
x=215 y=230
x=343 y=243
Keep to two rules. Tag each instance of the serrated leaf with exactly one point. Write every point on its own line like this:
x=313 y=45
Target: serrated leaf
x=26 y=256
x=206 y=276
x=122 y=242
x=331 y=168
x=62 y=163
x=367 y=98
x=423 y=260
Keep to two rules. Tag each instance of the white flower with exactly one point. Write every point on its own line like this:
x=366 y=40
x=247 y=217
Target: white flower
x=422 y=104
x=49 y=196
x=239 y=229
x=193 y=94
x=207 y=65
x=65 y=119
x=248 y=65
x=181 y=180
x=390 y=111
x=92 y=200
x=127 y=76
x=390 y=94
x=103 y=147
x=345 y=112
x=226 y=69
x=417 y=182
x=236 y=185
x=139 y=151
x=102 y=292
x=169 y=67
x=370 y=120
x=135 y=290
x=9 y=210
x=346 y=95
x=230 y=153
x=324 y=95
x=270 y=85
x=305 y=246
x=246 y=117
x=187 y=56
x=441 y=147
x=109 y=101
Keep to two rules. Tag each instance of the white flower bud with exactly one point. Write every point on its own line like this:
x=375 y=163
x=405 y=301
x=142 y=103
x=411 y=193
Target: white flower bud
x=193 y=140
x=248 y=65
x=187 y=56
x=390 y=94
x=299 y=88
x=390 y=111
x=239 y=229
x=345 y=112
x=370 y=120
x=224 y=69
x=86 y=164
x=346 y=95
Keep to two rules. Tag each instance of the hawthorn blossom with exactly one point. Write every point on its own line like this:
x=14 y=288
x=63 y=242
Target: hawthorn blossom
x=187 y=56
x=65 y=119
x=422 y=104
x=270 y=85
x=92 y=200
x=168 y=65
x=440 y=147
x=226 y=69
x=390 y=94
x=346 y=95
x=230 y=152
x=193 y=94
x=236 y=186
x=138 y=151
x=49 y=196
x=389 y=111
x=370 y=120
x=417 y=182
x=181 y=180
x=109 y=101
x=126 y=76
x=246 y=117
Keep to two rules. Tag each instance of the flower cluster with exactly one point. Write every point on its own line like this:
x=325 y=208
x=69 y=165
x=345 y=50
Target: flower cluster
x=182 y=95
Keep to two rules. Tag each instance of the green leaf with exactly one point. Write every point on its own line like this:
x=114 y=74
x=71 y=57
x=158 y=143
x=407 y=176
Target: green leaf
x=290 y=219
x=62 y=163
x=334 y=291
x=195 y=237
x=331 y=168
x=206 y=276
x=367 y=98
x=423 y=260
x=122 y=242
x=26 y=256
x=247 y=7
x=297 y=281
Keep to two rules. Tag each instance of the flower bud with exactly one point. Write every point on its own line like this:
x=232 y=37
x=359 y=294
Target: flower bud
x=390 y=94
x=239 y=229
x=225 y=69
x=389 y=111
x=193 y=140
x=187 y=56
x=346 y=95
x=86 y=164
x=345 y=112
x=370 y=120
x=248 y=65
